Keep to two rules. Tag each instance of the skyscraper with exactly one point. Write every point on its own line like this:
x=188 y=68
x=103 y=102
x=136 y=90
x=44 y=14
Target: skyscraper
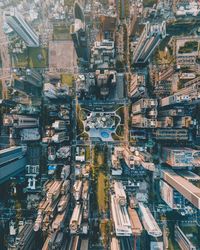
x=12 y=162
x=150 y=38
x=79 y=37
x=22 y=28
x=79 y=34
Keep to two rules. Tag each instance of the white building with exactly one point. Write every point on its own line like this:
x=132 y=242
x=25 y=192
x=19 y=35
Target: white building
x=121 y=218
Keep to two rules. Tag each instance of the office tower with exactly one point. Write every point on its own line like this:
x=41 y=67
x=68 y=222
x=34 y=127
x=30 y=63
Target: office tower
x=122 y=226
x=103 y=54
x=171 y=134
x=22 y=28
x=28 y=77
x=25 y=238
x=137 y=85
x=183 y=241
x=79 y=34
x=150 y=38
x=12 y=162
x=78 y=10
x=149 y=221
x=189 y=191
x=187 y=95
x=181 y=157
x=20 y=121
x=79 y=37
x=144 y=113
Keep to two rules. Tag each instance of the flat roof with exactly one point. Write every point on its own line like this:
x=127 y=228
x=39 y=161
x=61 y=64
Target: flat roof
x=182 y=185
x=188 y=175
x=182 y=181
x=2 y=151
x=135 y=222
x=149 y=221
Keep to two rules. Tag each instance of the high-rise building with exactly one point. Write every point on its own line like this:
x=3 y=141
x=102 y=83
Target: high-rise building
x=79 y=34
x=20 y=121
x=187 y=95
x=12 y=162
x=149 y=221
x=103 y=54
x=25 y=238
x=182 y=240
x=181 y=157
x=79 y=37
x=188 y=190
x=150 y=38
x=22 y=28
x=171 y=134
x=120 y=216
x=144 y=113
x=137 y=85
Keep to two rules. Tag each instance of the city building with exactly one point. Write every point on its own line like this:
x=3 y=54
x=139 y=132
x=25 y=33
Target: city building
x=149 y=39
x=115 y=244
x=137 y=228
x=156 y=245
x=59 y=125
x=22 y=28
x=139 y=121
x=144 y=113
x=182 y=240
x=116 y=166
x=131 y=163
x=76 y=219
x=167 y=194
x=103 y=55
x=28 y=76
x=79 y=37
x=137 y=85
x=174 y=122
x=149 y=222
x=188 y=190
x=12 y=162
x=120 y=193
x=32 y=134
x=120 y=217
x=108 y=27
x=181 y=157
x=145 y=106
x=25 y=239
x=20 y=121
x=185 y=57
x=171 y=134
x=105 y=81
x=187 y=95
